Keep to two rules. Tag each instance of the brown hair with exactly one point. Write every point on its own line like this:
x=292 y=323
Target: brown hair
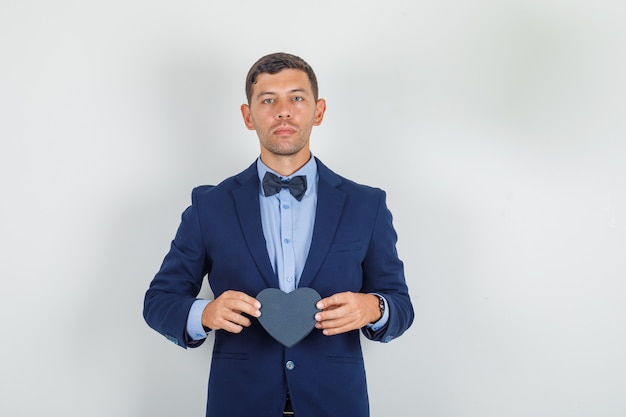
x=276 y=62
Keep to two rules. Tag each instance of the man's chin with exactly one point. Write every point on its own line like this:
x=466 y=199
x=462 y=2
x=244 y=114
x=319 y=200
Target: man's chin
x=285 y=149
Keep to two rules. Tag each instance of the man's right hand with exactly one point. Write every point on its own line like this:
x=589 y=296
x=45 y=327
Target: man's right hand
x=226 y=311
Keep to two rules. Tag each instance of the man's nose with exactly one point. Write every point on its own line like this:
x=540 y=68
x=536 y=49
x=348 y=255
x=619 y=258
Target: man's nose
x=283 y=112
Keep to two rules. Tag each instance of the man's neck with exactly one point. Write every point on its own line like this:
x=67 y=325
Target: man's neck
x=285 y=165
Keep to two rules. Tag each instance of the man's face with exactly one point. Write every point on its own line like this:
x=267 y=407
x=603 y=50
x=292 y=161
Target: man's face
x=283 y=112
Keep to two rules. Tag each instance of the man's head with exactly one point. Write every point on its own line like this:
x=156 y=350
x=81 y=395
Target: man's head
x=282 y=108
x=276 y=62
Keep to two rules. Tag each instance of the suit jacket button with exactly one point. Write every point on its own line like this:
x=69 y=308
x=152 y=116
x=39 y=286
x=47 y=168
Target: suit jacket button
x=290 y=365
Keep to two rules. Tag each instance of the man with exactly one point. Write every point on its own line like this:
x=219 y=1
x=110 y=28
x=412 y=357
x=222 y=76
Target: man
x=332 y=235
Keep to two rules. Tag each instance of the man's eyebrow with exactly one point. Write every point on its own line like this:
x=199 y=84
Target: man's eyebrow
x=299 y=90
x=272 y=93
x=266 y=93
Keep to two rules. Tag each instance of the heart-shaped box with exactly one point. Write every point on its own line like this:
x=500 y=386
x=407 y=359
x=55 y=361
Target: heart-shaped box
x=288 y=317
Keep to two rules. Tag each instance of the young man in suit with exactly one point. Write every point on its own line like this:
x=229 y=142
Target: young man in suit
x=285 y=222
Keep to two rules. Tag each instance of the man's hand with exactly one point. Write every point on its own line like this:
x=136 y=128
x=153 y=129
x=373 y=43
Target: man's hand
x=346 y=311
x=226 y=311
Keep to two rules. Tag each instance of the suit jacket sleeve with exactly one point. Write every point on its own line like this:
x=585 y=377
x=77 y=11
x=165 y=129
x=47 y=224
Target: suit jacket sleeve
x=383 y=273
x=177 y=284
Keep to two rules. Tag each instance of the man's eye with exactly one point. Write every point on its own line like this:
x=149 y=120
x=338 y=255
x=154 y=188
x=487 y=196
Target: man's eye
x=268 y=101
x=298 y=98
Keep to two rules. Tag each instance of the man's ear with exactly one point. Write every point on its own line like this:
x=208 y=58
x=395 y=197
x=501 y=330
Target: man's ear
x=320 y=109
x=247 y=117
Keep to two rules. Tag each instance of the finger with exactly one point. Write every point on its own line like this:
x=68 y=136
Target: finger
x=239 y=302
x=333 y=327
x=227 y=313
x=332 y=301
x=236 y=318
x=231 y=327
x=337 y=330
x=335 y=318
x=330 y=324
x=240 y=306
x=240 y=296
x=331 y=314
x=228 y=320
x=325 y=303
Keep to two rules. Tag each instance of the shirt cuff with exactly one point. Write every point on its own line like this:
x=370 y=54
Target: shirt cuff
x=195 y=330
x=383 y=320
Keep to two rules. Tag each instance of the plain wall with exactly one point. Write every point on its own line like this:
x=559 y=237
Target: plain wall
x=496 y=127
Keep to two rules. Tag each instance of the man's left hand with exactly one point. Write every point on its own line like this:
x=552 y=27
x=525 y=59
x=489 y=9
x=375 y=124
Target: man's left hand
x=346 y=311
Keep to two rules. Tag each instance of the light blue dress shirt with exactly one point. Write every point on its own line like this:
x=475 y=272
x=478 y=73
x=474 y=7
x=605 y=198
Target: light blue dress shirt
x=288 y=230
x=288 y=225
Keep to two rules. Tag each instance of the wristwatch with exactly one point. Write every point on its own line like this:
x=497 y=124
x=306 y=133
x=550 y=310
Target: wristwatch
x=381 y=306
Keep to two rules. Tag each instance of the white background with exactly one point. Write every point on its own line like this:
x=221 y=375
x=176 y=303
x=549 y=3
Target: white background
x=496 y=127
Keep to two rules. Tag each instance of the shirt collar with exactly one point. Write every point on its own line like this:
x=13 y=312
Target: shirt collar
x=309 y=170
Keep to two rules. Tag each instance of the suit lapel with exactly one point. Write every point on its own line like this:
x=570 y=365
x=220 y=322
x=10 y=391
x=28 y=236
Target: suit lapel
x=249 y=213
x=330 y=203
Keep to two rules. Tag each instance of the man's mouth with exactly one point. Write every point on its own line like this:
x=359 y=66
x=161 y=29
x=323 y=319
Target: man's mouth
x=284 y=130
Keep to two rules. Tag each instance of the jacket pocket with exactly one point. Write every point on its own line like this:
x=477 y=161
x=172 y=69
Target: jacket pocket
x=345 y=246
x=346 y=359
x=231 y=355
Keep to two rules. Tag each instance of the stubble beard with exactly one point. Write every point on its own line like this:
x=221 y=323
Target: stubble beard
x=285 y=149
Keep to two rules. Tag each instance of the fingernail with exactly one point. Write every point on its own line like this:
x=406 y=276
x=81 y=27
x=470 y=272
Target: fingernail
x=318 y=317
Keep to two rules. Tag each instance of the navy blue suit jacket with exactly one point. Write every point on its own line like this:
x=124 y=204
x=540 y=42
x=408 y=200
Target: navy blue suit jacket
x=352 y=249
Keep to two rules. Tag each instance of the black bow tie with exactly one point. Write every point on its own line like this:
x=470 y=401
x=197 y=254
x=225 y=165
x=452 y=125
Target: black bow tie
x=272 y=184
